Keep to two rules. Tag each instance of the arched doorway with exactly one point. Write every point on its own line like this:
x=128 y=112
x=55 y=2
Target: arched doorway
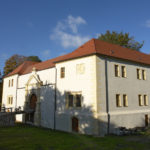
x=75 y=124
x=32 y=106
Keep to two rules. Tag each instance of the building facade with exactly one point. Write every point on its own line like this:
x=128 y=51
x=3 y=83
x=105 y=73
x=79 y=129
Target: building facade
x=94 y=90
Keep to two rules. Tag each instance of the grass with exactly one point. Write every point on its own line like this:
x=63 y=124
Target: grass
x=24 y=137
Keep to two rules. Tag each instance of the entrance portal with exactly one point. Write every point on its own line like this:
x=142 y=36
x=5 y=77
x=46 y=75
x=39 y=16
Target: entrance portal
x=75 y=124
x=32 y=105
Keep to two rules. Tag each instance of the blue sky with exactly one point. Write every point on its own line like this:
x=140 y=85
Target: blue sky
x=49 y=28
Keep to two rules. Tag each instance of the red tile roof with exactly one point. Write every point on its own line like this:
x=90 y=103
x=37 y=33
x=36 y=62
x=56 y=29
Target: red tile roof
x=93 y=46
x=20 y=69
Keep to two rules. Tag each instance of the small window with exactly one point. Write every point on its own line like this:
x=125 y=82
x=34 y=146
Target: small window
x=144 y=74
x=9 y=84
x=140 y=100
x=117 y=71
x=145 y=100
x=10 y=100
x=125 y=100
x=78 y=100
x=138 y=74
x=12 y=82
x=118 y=100
x=62 y=72
x=70 y=100
x=73 y=99
x=123 y=69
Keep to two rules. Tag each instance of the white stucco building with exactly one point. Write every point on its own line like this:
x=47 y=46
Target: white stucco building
x=93 y=90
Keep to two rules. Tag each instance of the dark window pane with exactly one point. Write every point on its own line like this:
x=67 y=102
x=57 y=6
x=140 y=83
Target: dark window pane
x=70 y=99
x=78 y=100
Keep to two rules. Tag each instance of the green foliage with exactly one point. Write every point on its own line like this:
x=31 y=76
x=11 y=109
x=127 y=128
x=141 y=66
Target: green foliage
x=15 y=60
x=33 y=58
x=122 y=39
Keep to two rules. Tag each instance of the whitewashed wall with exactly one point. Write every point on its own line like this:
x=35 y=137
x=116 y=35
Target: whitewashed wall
x=74 y=82
x=9 y=91
x=133 y=115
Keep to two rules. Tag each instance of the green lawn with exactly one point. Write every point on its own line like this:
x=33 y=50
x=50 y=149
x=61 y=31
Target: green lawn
x=23 y=137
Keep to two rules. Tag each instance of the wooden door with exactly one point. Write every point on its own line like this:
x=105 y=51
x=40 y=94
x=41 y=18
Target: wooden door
x=33 y=101
x=75 y=124
x=29 y=117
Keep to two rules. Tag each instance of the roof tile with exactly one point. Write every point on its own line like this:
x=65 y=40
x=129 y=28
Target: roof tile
x=93 y=46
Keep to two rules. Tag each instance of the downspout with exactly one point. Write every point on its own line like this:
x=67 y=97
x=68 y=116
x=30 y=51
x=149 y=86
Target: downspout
x=107 y=95
x=16 y=90
x=55 y=99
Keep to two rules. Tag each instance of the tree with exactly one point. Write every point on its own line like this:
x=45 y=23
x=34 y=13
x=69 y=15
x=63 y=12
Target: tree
x=33 y=58
x=15 y=60
x=122 y=39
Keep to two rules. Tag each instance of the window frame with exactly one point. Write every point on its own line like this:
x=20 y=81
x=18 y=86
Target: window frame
x=123 y=71
x=12 y=82
x=140 y=100
x=10 y=100
x=143 y=74
x=117 y=70
x=74 y=99
x=125 y=100
x=145 y=100
x=118 y=100
x=138 y=73
x=62 y=72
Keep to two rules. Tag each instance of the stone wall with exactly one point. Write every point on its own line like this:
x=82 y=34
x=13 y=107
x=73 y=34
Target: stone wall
x=7 y=119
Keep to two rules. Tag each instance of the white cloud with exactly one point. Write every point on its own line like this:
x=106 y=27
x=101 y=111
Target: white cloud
x=46 y=54
x=66 y=32
x=147 y=23
x=97 y=35
x=74 y=23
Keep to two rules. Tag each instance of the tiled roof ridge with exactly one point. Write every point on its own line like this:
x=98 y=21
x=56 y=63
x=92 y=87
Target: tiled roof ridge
x=20 y=68
x=32 y=63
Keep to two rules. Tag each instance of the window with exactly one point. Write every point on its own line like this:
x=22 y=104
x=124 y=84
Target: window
x=140 y=100
x=78 y=100
x=138 y=74
x=70 y=100
x=145 y=100
x=10 y=100
x=118 y=100
x=12 y=82
x=123 y=69
x=73 y=99
x=143 y=74
x=62 y=72
x=9 y=84
x=125 y=100
x=117 y=71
